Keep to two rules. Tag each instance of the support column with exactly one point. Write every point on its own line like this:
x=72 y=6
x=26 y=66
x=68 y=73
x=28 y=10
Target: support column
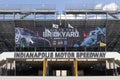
x=14 y=15
x=114 y=67
x=44 y=67
x=75 y=67
x=10 y=68
x=0 y=71
x=60 y=72
x=14 y=67
x=108 y=64
x=6 y=68
x=86 y=16
x=3 y=16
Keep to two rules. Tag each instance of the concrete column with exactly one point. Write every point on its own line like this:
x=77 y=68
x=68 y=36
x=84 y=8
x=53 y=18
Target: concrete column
x=14 y=67
x=6 y=67
x=114 y=67
x=10 y=68
x=108 y=64
x=0 y=71
x=60 y=72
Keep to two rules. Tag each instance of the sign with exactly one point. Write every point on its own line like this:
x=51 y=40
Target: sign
x=59 y=54
x=61 y=33
x=59 y=37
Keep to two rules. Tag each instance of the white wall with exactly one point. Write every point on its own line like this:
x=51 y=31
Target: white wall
x=61 y=78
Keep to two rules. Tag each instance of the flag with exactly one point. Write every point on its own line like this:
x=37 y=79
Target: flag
x=55 y=26
x=102 y=44
x=85 y=35
x=22 y=45
x=47 y=30
x=70 y=26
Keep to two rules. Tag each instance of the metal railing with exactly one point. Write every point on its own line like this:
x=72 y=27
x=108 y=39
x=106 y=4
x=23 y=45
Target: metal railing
x=27 y=7
x=93 y=7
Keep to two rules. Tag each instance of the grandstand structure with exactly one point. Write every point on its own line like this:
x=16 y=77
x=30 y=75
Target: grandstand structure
x=58 y=56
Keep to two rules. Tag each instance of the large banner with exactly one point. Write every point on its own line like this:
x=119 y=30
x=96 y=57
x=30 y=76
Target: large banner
x=55 y=36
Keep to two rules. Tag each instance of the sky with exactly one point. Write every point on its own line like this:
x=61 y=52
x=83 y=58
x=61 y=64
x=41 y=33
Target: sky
x=60 y=4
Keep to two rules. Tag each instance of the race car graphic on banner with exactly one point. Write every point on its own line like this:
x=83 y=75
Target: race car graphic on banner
x=94 y=37
x=27 y=38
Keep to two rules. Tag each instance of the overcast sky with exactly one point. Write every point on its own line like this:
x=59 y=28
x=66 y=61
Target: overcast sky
x=60 y=4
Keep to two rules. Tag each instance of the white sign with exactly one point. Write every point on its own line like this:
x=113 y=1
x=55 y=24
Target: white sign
x=59 y=54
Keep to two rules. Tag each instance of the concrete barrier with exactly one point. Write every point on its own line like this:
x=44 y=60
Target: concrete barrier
x=59 y=78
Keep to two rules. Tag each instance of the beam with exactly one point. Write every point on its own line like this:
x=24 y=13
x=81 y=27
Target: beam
x=27 y=14
x=113 y=15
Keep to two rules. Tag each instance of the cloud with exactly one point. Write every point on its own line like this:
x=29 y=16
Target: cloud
x=111 y=6
x=100 y=6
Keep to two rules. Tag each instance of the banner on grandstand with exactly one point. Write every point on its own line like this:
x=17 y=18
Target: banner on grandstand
x=59 y=54
x=60 y=37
